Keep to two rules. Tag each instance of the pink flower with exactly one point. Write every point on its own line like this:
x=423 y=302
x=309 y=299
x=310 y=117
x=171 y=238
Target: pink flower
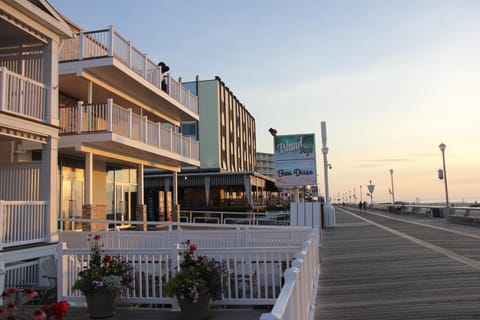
x=97 y=237
x=38 y=315
x=12 y=307
x=30 y=293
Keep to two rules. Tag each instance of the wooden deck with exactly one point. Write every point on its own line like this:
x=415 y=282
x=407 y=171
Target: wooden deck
x=398 y=268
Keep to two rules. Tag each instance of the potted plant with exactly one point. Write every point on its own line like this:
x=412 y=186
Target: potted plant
x=197 y=281
x=102 y=280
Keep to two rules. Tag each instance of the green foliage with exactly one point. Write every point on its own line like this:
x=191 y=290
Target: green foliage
x=196 y=275
x=104 y=273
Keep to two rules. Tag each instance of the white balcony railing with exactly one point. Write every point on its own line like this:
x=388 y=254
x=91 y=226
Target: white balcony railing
x=22 y=222
x=113 y=118
x=107 y=42
x=22 y=96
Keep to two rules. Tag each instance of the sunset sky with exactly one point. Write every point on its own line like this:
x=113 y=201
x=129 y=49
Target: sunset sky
x=391 y=78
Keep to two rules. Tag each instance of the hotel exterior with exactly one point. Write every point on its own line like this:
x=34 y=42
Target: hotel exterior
x=31 y=33
x=119 y=114
x=226 y=178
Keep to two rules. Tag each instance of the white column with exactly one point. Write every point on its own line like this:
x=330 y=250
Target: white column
x=50 y=79
x=176 y=207
x=48 y=191
x=89 y=178
x=140 y=184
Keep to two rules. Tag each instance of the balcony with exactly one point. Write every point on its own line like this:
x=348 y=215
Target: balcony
x=22 y=96
x=107 y=43
x=97 y=119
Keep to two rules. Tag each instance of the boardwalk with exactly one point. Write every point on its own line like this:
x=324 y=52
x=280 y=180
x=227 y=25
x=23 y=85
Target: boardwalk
x=398 y=267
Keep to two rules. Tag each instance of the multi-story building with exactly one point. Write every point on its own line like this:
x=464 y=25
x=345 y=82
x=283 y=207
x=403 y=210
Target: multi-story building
x=119 y=114
x=30 y=36
x=266 y=164
x=226 y=178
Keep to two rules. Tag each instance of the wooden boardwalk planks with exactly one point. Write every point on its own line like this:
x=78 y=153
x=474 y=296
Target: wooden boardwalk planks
x=370 y=273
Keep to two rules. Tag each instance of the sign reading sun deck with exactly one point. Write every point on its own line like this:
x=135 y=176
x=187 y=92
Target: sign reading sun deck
x=295 y=161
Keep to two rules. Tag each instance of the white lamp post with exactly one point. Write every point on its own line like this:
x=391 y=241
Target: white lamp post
x=393 y=190
x=442 y=147
x=328 y=209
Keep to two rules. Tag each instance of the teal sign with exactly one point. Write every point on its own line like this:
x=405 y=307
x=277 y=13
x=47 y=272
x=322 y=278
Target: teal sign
x=295 y=160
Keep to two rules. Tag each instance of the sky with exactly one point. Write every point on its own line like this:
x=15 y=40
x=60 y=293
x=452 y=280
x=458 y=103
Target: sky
x=392 y=79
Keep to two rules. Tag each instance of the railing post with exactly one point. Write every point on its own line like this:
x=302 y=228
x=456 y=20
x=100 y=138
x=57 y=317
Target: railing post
x=2 y=225
x=111 y=50
x=145 y=63
x=3 y=89
x=109 y=115
x=81 y=39
x=130 y=123
x=62 y=270
x=79 y=116
x=130 y=54
x=145 y=129
x=159 y=142
x=2 y=276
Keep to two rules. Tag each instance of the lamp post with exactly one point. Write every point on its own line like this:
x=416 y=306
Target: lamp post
x=328 y=209
x=442 y=147
x=393 y=190
x=371 y=188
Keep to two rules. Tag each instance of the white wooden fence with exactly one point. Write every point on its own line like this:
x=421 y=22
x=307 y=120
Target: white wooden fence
x=255 y=260
x=307 y=214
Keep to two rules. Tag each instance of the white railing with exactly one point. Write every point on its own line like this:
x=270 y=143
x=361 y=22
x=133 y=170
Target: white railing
x=20 y=181
x=231 y=217
x=297 y=298
x=254 y=274
x=113 y=118
x=108 y=42
x=22 y=96
x=249 y=237
x=22 y=222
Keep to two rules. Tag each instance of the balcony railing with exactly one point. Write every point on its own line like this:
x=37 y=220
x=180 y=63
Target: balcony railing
x=109 y=117
x=22 y=96
x=22 y=222
x=107 y=42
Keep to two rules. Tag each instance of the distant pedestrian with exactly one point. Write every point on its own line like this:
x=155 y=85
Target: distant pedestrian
x=360 y=205
x=364 y=206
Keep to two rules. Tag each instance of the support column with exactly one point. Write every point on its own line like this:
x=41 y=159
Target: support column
x=48 y=190
x=89 y=178
x=141 y=214
x=50 y=79
x=176 y=206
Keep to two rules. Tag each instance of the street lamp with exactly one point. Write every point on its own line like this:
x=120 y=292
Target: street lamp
x=442 y=147
x=371 y=188
x=328 y=209
x=393 y=190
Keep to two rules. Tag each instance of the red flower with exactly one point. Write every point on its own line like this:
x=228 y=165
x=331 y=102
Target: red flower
x=57 y=309
x=97 y=237
x=107 y=259
x=193 y=248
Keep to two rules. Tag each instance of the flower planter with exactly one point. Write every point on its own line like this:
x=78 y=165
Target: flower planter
x=195 y=311
x=102 y=304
